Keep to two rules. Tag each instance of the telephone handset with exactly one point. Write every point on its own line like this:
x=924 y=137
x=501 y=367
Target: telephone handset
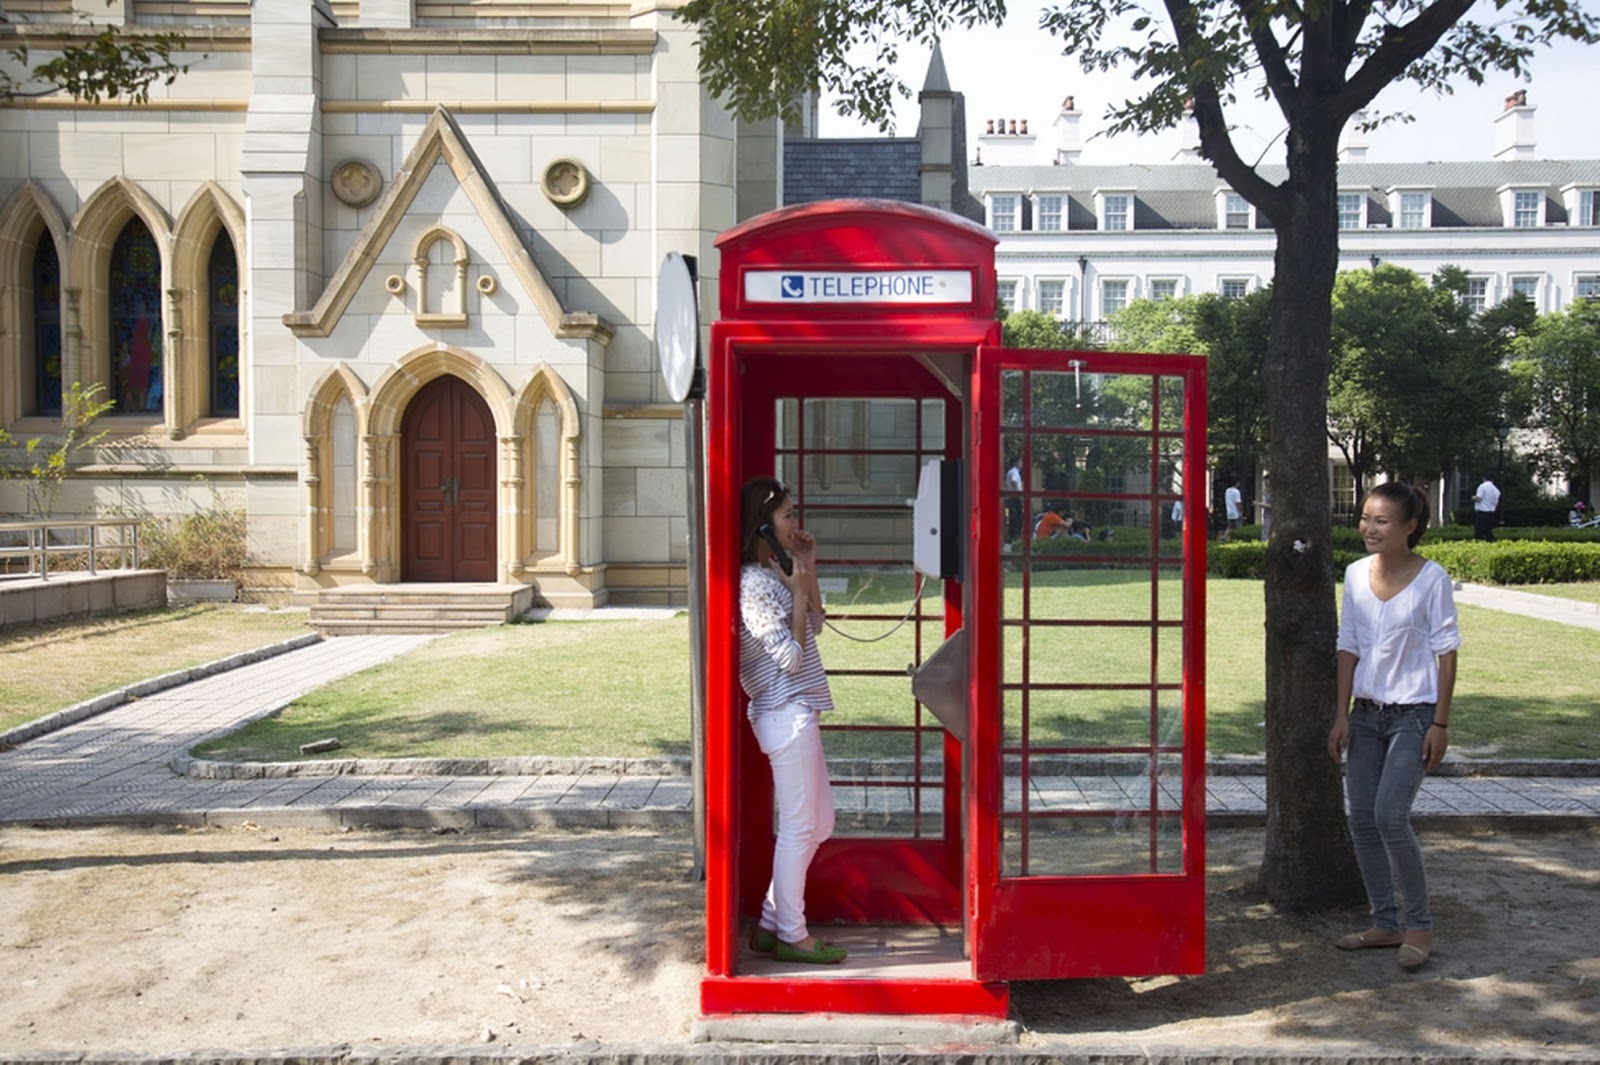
x=770 y=535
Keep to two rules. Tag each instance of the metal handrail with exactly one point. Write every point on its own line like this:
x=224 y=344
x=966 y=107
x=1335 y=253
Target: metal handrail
x=38 y=549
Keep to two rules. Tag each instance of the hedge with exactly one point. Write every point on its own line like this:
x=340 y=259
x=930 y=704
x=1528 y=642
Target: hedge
x=1517 y=561
x=1501 y=562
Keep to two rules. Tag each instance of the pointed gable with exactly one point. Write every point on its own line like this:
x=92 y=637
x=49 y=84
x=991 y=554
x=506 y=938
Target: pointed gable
x=442 y=141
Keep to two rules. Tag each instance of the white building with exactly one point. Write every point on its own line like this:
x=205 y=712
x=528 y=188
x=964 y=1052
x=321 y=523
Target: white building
x=1080 y=242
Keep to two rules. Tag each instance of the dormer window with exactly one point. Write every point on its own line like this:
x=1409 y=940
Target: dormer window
x=1234 y=211
x=1412 y=208
x=1003 y=213
x=1115 y=209
x=1583 y=205
x=1048 y=212
x=1525 y=207
x=1352 y=210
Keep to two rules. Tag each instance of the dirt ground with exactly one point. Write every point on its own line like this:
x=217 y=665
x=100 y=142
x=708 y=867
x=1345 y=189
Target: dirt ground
x=167 y=939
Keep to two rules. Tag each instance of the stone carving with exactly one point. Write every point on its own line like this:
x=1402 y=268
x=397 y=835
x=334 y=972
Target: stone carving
x=356 y=182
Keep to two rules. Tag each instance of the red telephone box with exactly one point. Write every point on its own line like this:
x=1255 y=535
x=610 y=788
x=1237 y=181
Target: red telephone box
x=1056 y=827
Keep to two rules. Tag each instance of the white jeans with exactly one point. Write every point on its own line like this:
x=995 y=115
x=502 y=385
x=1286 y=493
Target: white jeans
x=792 y=741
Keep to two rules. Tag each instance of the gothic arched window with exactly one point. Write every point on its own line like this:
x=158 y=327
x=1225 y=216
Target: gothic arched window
x=46 y=327
x=136 y=340
x=222 y=285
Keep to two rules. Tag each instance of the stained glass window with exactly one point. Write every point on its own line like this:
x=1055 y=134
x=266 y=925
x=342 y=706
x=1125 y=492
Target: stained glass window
x=46 y=328
x=136 y=340
x=222 y=275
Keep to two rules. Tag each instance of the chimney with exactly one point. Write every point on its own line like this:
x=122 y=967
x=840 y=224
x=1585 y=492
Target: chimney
x=1007 y=142
x=1188 y=136
x=1513 y=128
x=1353 y=140
x=1069 y=144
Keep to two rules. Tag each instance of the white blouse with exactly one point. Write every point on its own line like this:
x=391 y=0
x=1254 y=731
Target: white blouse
x=1397 y=643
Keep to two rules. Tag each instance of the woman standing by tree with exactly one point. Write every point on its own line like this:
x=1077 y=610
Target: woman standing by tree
x=1397 y=660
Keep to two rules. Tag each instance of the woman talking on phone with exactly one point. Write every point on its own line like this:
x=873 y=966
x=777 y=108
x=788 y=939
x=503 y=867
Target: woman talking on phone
x=780 y=618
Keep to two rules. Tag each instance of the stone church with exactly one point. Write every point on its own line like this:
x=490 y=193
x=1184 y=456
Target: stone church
x=382 y=273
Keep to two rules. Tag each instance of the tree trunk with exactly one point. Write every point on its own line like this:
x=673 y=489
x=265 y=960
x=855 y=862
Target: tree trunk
x=1308 y=862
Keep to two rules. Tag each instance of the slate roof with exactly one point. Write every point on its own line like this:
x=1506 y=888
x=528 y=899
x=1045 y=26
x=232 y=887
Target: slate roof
x=1182 y=195
x=886 y=168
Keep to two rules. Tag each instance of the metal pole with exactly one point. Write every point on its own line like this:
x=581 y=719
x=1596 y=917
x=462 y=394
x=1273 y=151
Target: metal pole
x=694 y=464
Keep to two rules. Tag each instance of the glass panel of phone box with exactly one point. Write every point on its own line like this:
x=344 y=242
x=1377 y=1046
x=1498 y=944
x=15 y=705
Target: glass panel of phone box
x=852 y=466
x=1091 y=624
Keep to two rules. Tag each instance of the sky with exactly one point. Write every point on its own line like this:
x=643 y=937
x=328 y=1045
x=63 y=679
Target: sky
x=1017 y=71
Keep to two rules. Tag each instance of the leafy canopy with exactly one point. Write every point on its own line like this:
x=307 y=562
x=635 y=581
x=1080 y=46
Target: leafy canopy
x=761 y=58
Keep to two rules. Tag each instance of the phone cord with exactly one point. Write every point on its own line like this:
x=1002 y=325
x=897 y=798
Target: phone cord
x=915 y=600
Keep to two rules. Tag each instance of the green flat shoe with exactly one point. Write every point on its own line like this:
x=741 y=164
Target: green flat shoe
x=821 y=954
x=762 y=940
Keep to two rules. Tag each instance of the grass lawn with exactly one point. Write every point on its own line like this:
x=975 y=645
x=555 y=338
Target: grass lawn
x=1584 y=591
x=52 y=665
x=622 y=688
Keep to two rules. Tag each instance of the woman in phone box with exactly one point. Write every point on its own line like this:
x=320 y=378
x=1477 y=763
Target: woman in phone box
x=780 y=617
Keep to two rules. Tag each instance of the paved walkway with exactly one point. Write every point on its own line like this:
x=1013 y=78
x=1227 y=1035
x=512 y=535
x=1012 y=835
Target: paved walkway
x=119 y=766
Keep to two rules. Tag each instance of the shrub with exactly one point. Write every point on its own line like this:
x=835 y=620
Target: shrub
x=210 y=544
x=1517 y=561
x=1248 y=560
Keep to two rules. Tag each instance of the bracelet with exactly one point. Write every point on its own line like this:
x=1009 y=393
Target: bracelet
x=1437 y=724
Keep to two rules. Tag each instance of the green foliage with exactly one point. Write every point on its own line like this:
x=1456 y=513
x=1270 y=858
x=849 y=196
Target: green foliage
x=1044 y=332
x=1415 y=381
x=1536 y=556
x=212 y=543
x=761 y=59
x=1556 y=368
x=1517 y=561
x=44 y=462
x=108 y=64
x=1247 y=559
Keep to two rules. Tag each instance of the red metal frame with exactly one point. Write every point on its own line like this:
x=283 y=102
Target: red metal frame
x=1039 y=927
x=1014 y=928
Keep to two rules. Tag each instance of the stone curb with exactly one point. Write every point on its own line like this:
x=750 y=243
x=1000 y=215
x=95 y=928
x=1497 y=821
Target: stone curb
x=113 y=699
x=589 y=1052
x=679 y=766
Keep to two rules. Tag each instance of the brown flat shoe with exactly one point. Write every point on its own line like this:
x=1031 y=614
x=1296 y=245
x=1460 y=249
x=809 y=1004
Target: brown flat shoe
x=1368 y=940
x=1412 y=957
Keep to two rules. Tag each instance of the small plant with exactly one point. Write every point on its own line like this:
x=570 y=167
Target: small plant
x=42 y=468
x=210 y=544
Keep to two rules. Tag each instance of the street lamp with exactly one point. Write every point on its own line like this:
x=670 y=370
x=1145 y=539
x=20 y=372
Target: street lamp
x=1502 y=430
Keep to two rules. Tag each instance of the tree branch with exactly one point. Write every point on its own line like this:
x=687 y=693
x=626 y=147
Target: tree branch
x=1274 y=63
x=1216 y=143
x=1401 y=46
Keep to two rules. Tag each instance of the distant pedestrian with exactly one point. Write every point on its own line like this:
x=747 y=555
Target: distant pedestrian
x=1014 y=502
x=1397 y=661
x=1233 y=502
x=1485 y=501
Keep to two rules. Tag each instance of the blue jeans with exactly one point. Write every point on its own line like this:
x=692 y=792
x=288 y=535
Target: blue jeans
x=1383 y=772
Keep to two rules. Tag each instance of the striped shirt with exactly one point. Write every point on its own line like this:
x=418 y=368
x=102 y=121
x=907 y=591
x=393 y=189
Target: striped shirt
x=774 y=667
